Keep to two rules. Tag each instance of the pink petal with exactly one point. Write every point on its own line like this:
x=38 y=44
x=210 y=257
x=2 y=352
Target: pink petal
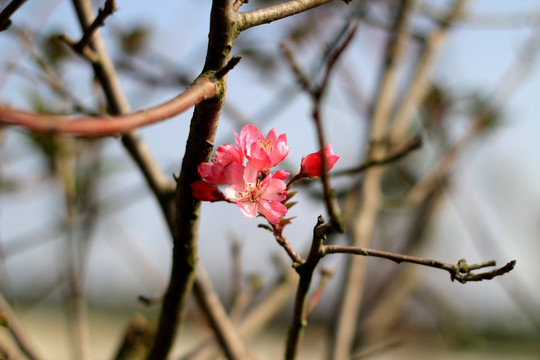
x=213 y=173
x=234 y=173
x=248 y=208
x=272 y=211
x=312 y=163
x=274 y=190
x=205 y=191
x=281 y=175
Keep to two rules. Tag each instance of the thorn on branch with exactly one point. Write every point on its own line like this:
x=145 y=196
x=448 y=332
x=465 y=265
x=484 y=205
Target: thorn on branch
x=238 y=3
x=149 y=301
x=108 y=9
x=230 y=65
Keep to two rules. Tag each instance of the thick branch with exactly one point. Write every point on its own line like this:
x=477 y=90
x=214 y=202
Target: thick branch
x=198 y=149
x=276 y=12
x=460 y=272
x=96 y=126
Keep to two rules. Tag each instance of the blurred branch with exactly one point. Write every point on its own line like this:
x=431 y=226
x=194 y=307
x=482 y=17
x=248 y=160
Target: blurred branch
x=326 y=275
x=221 y=324
x=16 y=330
x=7 y=12
x=411 y=145
x=316 y=92
x=377 y=349
x=485 y=20
x=420 y=80
x=461 y=272
x=276 y=12
x=117 y=104
x=257 y=317
x=137 y=340
x=365 y=216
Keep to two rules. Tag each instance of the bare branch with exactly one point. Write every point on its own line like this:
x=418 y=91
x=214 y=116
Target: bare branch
x=221 y=324
x=16 y=330
x=276 y=12
x=460 y=272
x=186 y=217
x=411 y=145
x=96 y=126
x=306 y=271
x=108 y=9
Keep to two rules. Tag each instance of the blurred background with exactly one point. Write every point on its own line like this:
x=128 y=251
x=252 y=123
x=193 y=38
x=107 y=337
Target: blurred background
x=478 y=119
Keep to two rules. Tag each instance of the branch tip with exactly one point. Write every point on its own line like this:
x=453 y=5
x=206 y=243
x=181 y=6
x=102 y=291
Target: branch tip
x=230 y=65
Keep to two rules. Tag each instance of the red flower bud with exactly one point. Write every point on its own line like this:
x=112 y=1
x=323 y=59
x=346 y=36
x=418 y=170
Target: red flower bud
x=312 y=165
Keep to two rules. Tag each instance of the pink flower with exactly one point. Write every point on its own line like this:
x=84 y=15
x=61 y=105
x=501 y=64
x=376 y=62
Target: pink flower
x=253 y=195
x=270 y=149
x=215 y=172
x=312 y=165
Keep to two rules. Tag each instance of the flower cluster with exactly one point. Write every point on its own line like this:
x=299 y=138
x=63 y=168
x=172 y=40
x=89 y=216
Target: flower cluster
x=246 y=169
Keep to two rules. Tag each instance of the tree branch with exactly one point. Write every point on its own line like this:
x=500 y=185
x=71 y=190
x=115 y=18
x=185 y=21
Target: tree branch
x=186 y=220
x=411 y=145
x=117 y=104
x=460 y=272
x=306 y=271
x=16 y=330
x=97 y=126
x=276 y=12
x=108 y=9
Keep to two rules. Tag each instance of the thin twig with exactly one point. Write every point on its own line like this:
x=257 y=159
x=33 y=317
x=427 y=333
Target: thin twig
x=108 y=9
x=316 y=93
x=411 y=145
x=286 y=245
x=420 y=80
x=238 y=3
x=460 y=271
x=326 y=274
